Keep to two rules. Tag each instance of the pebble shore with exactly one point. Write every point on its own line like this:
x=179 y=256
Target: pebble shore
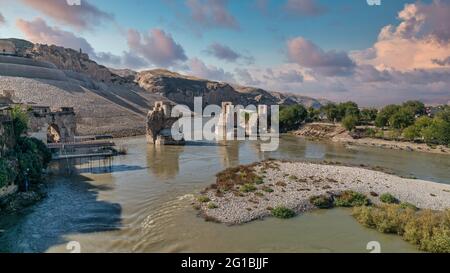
x=294 y=183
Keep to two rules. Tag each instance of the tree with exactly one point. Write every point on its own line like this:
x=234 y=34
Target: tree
x=291 y=117
x=350 y=122
x=444 y=113
x=331 y=111
x=385 y=114
x=369 y=114
x=348 y=109
x=401 y=119
x=417 y=108
x=438 y=132
x=19 y=121
x=313 y=114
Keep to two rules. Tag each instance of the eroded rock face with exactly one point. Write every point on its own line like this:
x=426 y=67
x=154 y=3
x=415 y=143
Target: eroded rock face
x=159 y=126
x=69 y=59
x=183 y=89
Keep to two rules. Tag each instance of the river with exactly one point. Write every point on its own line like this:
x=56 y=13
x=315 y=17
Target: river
x=143 y=203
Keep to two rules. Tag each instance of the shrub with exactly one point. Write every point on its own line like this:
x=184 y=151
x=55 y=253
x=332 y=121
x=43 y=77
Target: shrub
x=283 y=213
x=259 y=180
x=203 y=199
x=429 y=230
x=406 y=205
x=267 y=189
x=248 y=188
x=322 y=201
x=349 y=122
x=291 y=117
x=212 y=206
x=7 y=174
x=351 y=199
x=388 y=198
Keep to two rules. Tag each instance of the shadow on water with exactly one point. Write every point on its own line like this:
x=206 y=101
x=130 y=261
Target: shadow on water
x=72 y=207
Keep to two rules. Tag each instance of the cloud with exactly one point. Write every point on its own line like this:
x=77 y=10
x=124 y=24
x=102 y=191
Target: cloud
x=38 y=31
x=83 y=16
x=212 y=13
x=2 y=20
x=198 y=68
x=307 y=54
x=245 y=77
x=225 y=53
x=304 y=8
x=419 y=41
x=156 y=46
x=443 y=62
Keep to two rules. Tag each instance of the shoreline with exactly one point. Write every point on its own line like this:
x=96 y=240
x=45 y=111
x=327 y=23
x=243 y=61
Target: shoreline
x=293 y=184
x=337 y=134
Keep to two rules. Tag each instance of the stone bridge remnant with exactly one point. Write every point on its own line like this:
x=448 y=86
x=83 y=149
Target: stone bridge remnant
x=159 y=125
x=45 y=124
x=58 y=126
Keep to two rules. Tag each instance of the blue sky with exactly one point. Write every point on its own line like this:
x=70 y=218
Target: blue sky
x=263 y=34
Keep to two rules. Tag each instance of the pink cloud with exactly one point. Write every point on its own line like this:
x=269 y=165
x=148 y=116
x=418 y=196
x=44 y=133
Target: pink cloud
x=212 y=13
x=156 y=46
x=198 y=68
x=307 y=54
x=421 y=38
x=84 y=16
x=38 y=31
x=304 y=8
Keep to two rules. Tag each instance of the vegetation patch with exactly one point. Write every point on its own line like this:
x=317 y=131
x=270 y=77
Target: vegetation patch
x=283 y=213
x=322 y=201
x=267 y=189
x=212 y=206
x=388 y=198
x=350 y=199
x=429 y=230
x=203 y=199
x=248 y=188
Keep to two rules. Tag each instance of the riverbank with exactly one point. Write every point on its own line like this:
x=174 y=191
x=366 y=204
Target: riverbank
x=292 y=184
x=338 y=134
x=14 y=202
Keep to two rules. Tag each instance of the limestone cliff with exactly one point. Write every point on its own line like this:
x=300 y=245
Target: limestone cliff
x=182 y=89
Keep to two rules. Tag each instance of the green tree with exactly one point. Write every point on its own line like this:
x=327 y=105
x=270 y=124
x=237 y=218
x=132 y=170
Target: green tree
x=438 y=132
x=401 y=119
x=385 y=114
x=415 y=107
x=291 y=117
x=369 y=114
x=349 y=108
x=444 y=113
x=19 y=121
x=313 y=114
x=350 y=122
x=332 y=112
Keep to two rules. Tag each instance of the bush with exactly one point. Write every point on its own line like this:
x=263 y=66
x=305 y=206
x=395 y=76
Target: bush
x=429 y=230
x=267 y=189
x=7 y=174
x=388 y=198
x=351 y=199
x=212 y=206
x=248 y=188
x=406 y=205
x=283 y=213
x=291 y=117
x=350 y=122
x=322 y=201
x=203 y=199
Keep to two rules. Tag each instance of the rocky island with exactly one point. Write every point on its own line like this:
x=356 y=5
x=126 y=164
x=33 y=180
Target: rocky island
x=251 y=192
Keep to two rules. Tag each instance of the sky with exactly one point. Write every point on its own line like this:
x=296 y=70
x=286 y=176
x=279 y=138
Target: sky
x=338 y=50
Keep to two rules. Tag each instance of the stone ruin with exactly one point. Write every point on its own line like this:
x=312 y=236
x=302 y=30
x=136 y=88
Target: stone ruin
x=58 y=126
x=159 y=126
x=45 y=124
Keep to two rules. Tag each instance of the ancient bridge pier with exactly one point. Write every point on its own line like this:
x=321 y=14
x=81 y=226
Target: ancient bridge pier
x=159 y=126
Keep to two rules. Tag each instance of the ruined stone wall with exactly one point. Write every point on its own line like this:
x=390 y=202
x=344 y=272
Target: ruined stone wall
x=159 y=125
x=48 y=126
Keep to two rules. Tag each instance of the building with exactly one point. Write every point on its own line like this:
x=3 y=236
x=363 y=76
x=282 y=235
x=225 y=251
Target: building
x=7 y=48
